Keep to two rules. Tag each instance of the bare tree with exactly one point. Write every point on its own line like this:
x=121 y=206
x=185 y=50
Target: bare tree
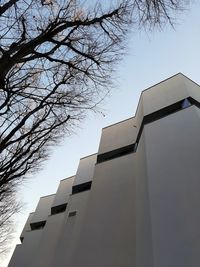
x=153 y=13
x=56 y=60
x=8 y=207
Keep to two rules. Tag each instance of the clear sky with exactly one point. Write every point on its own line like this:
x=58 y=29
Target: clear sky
x=151 y=57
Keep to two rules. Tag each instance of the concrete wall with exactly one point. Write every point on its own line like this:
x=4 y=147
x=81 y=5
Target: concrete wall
x=153 y=99
x=85 y=169
x=165 y=93
x=143 y=233
x=26 y=254
x=118 y=135
x=107 y=236
x=66 y=251
x=27 y=226
x=172 y=153
x=49 y=241
x=43 y=209
x=63 y=192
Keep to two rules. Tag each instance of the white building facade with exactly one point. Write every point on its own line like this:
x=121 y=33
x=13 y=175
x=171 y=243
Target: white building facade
x=136 y=203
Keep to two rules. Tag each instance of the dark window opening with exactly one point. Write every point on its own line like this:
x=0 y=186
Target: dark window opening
x=58 y=209
x=122 y=151
x=194 y=102
x=81 y=187
x=72 y=213
x=186 y=103
x=135 y=147
x=159 y=114
x=37 y=225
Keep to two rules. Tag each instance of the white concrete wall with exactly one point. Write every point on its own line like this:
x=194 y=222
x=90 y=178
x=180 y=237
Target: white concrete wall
x=143 y=233
x=107 y=236
x=27 y=225
x=43 y=209
x=164 y=94
x=172 y=153
x=66 y=251
x=63 y=192
x=118 y=135
x=52 y=232
x=61 y=233
x=26 y=254
x=156 y=97
x=85 y=169
x=192 y=88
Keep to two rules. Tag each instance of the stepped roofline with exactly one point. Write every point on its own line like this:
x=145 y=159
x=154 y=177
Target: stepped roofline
x=149 y=88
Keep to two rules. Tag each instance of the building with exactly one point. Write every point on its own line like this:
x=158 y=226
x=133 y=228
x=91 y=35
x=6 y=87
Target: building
x=136 y=203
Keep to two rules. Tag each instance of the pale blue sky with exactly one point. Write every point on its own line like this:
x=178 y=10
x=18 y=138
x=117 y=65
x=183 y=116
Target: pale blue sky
x=151 y=57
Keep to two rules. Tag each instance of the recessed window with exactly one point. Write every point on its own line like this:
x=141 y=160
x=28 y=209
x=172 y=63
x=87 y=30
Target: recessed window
x=58 y=209
x=72 y=213
x=122 y=151
x=37 y=225
x=81 y=187
x=186 y=103
x=135 y=147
